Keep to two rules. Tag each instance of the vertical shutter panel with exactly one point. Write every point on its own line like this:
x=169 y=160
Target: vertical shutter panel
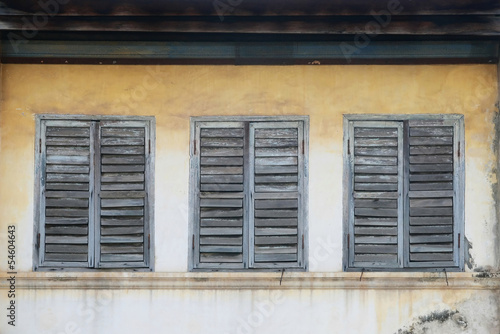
x=432 y=231
x=376 y=204
x=276 y=182
x=122 y=209
x=220 y=195
x=66 y=182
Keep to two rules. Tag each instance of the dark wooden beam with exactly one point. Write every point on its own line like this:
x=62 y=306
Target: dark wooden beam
x=248 y=7
x=249 y=53
x=332 y=25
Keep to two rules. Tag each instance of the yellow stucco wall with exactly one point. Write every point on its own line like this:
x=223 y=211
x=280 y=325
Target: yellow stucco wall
x=174 y=93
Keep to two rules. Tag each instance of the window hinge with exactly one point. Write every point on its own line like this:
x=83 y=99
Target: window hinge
x=149 y=241
x=38 y=241
x=194 y=147
x=192 y=244
x=459 y=149
x=348 y=240
x=302 y=147
x=40 y=145
x=458 y=240
x=149 y=144
x=348 y=146
x=302 y=241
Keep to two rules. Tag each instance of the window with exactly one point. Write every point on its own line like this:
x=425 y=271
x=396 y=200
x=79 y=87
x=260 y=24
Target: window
x=94 y=186
x=248 y=183
x=404 y=192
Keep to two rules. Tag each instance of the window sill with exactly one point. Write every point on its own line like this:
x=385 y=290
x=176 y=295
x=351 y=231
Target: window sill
x=263 y=280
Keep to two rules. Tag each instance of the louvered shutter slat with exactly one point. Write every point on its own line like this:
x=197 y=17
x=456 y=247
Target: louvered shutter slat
x=122 y=237
x=431 y=229
x=376 y=202
x=221 y=186
x=275 y=182
x=66 y=184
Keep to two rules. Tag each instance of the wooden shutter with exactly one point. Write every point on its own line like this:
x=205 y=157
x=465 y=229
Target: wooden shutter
x=375 y=153
x=123 y=213
x=276 y=183
x=432 y=232
x=220 y=206
x=66 y=158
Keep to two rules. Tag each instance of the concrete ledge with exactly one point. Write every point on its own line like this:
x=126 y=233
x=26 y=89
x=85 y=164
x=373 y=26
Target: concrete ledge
x=266 y=280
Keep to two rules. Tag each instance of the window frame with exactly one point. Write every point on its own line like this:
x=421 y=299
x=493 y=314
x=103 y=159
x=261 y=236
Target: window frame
x=150 y=126
x=193 y=198
x=459 y=192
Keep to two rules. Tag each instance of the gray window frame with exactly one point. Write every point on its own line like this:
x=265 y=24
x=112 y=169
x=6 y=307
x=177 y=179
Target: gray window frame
x=194 y=206
x=149 y=122
x=457 y=121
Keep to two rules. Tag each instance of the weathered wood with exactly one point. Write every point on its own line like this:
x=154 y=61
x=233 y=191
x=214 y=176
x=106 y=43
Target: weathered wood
x=431 y=150
x=67 y=186
x=276 y=161
x=123 y=202
x=431 y=256
x=67 y=194
x=221 y=187
x=67 y=141
x=376 y=151
x=216 y=257
x=122 y=212
x=260 y=222
x=121 y=239
x=122 y=230
x=414 y=168
x=221 y=222
x=221 y=142
x=427 y=239
x=221 y=152
x=122 y=177
x=367 y=169
x=375 y=249
x=120 y=249
x=122 y=150
x=275 y=240
x=51 y=177
x=122 y=186
x=276 y=142
x=378 y=258
x=276 y=169
x=221 y=179
x=275 y=257
x=73 y=257
x=276 y=249
x=437 y=202
x=59 y=248
x=275 y=213
x=376 y=194
x=220 y=170
x=422 y=212
x=375 y=132
x=121 y=141
x=50 y=212
x=276 y=133
x=221 y=203
x=67 y=150
x=431 y=248
x=66 y=239
x=221 y=249
x=375 y=221
x=377 y=161
x=222 y=132
x=431 y=220
x=431 y=186
x=122 y=132
x=68 y=159
x=222 y=231
x=66 y=230
x=220 y=213
x=375 y=203
x=123 y=194
x=431 y=177
x=276 y=187
x=52 y=131
x=376 y=187
x=431 y=159
x=377 y=240
x=66 y=221
x=277 y=178
x=129 y=221
x=376 y=231
x=430 y=193
x=221 y=161
x=276 y=152
x=375 y=142
x=431 y=131
x=67 y=202
x=276 y=204
x=121 y=257
x=73 y=169
x=276 y=231
x=221 y=240
x=439 y=141
x=431 y=229
x=123 y=160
